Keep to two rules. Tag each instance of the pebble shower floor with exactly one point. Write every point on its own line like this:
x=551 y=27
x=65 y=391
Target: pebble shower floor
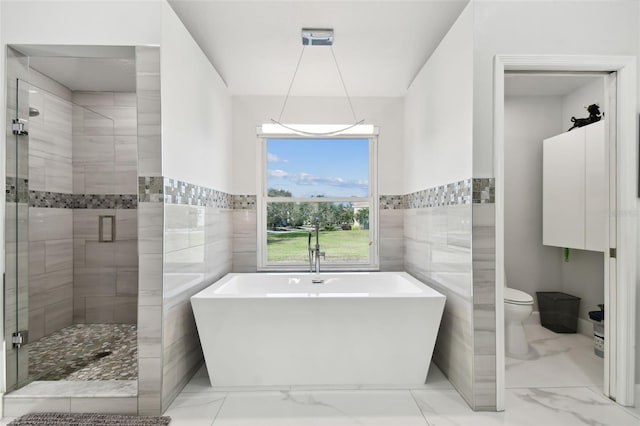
x=86 y=352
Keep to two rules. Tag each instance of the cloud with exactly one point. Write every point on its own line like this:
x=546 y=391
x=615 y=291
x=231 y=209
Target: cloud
x=308 y=179
x=273 y=158
x=277 y=173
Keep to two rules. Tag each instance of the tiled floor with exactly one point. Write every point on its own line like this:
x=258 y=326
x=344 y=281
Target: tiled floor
x=560 y=398
x=555 y=360
x=559 y=385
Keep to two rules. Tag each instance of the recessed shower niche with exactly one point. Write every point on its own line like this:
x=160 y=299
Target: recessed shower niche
x=71 y=291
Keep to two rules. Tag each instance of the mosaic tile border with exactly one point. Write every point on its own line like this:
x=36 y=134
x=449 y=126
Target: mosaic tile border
x=244 y=202
x=392 y=202
x=105 y=201
x=158 y=189
x=59 y=200
x=52 y=200
x=179 y=192
x=467 y=191
x=150 y=189
x=19 y=186
x=484 y=190
x=444 y=195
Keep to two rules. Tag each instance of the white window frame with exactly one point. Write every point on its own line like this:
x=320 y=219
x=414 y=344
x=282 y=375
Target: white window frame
x=370 y=133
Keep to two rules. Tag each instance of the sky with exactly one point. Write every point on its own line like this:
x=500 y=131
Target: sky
x=312 y=167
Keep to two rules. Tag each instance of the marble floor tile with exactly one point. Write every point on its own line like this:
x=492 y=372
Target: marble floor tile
x=86 y=389
x=555 y=360
x=634 y=411
x=190 y=409
x=380 y=408
x=564 y=406
x=527 y=407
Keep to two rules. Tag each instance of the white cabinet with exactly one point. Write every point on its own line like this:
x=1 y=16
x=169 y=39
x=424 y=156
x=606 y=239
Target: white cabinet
x=574 y=189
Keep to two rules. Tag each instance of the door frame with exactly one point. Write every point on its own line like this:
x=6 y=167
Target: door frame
x=619 y=369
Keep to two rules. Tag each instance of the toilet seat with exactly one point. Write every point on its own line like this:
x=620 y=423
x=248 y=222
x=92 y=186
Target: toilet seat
x=517 y=297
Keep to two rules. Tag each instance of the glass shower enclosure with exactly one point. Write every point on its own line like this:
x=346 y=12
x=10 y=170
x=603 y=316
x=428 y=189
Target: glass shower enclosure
x=45 y=338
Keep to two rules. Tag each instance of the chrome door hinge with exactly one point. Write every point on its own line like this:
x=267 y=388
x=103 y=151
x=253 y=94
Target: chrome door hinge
x=18 y=127
x=612 y=253
x=19 y=338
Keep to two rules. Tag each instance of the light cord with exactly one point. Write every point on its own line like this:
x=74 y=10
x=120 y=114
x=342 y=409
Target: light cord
x=284 y=104
x=344 y=86
x=346 y=92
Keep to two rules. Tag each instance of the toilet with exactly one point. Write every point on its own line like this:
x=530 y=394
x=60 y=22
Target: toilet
x=518 y=306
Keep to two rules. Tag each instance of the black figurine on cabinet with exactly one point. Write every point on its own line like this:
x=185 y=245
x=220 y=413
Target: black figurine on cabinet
x=594 y=116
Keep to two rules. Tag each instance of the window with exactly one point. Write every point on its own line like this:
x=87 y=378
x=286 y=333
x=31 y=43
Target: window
x=330 y=181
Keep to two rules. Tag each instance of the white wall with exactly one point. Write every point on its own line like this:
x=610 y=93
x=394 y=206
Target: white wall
x=438 y=112
x=529 y=265
x=252 y=111
x=196 y=111
x=606 y=27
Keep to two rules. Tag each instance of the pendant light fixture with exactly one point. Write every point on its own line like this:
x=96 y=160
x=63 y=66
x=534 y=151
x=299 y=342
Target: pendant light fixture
x=317 y=37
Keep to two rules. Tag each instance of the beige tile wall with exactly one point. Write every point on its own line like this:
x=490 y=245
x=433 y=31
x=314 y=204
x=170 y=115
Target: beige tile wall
x=105 y=279
x=197 y=252
x=105 y=143
x=438 y=252
x=452 y=249
x=105 y=162
x=390 y=239
x=50 y=288
x=50 y=270
x=150 y=234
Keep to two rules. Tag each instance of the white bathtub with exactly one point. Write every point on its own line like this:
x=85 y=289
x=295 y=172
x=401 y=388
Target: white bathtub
x=354 y=329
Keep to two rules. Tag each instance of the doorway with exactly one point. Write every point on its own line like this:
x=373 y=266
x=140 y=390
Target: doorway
x=619 y=269
x=554 y=257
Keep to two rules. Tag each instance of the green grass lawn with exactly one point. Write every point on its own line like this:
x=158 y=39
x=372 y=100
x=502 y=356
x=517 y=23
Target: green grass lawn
x=339 y=246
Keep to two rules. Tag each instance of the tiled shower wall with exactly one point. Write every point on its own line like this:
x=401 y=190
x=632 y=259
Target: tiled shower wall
x=449 y=235
x=105 y=183
x=51 y=227
x=150 y=231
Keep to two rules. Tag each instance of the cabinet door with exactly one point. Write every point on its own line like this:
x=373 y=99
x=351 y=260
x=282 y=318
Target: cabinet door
x=597 y=183
x=563 y=190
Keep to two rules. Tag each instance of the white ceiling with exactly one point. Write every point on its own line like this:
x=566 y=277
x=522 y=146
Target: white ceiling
x=380 y=45
x=544 y=85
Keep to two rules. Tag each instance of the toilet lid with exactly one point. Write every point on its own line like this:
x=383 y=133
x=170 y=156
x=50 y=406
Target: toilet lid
x=512 y=295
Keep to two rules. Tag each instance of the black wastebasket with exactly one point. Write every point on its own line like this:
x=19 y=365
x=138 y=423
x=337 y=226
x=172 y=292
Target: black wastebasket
x=558 y=311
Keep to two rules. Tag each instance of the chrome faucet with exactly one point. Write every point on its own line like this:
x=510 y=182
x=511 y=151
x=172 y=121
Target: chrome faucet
x=315 y=253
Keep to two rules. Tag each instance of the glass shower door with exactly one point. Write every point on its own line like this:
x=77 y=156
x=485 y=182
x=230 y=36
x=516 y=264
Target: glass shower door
x=16 y=233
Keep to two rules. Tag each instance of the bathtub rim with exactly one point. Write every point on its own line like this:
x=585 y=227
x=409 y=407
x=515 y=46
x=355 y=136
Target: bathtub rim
x=425 y=291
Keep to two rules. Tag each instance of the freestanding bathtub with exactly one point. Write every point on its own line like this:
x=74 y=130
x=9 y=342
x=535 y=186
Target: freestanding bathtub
x=264 y=329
